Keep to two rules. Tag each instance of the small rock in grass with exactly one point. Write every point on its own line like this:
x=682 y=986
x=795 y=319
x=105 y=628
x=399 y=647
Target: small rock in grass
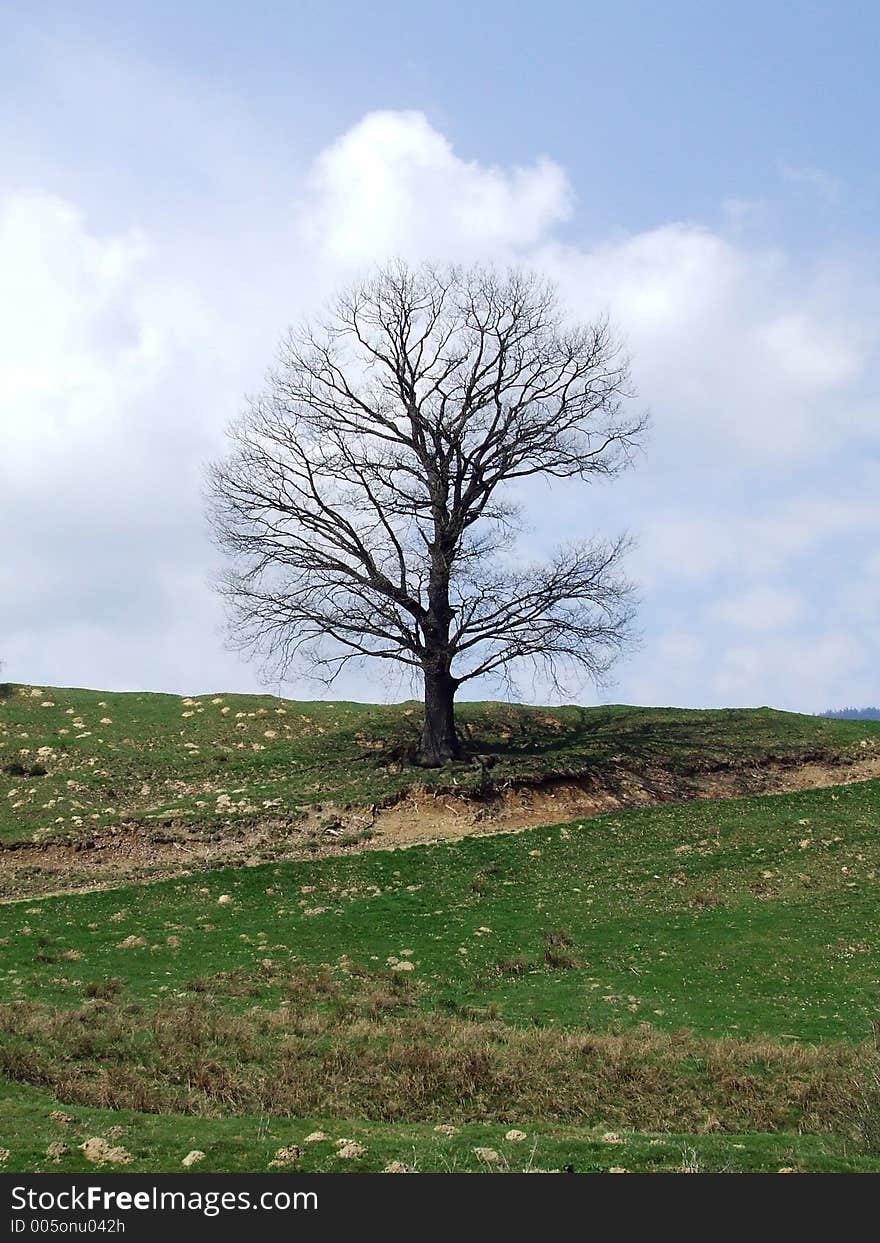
x=99 y=1152
x=225 y=899
x=192 y=1158
x=286 y=1156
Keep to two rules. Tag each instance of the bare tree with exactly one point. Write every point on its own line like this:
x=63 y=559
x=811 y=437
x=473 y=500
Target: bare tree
x=362 y=504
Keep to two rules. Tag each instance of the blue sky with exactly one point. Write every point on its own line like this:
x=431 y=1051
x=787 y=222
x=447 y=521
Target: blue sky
x=177 y=183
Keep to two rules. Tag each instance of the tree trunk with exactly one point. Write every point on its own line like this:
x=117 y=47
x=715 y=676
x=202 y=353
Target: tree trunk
x=439 y=739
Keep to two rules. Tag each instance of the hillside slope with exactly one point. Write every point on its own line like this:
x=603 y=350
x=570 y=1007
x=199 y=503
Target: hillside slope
x=686 y=986
x=98 y=785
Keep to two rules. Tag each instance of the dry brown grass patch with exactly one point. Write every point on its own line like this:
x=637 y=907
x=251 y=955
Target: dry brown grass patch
x=361 y=1046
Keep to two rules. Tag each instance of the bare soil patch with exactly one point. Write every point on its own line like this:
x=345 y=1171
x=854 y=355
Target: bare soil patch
x=436 y=816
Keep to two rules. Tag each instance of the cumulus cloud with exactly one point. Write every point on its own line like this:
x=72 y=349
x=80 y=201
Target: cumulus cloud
x=63 y=321
x=107 y=375
x=121 y=357
x=734 y=348
x=393 y=185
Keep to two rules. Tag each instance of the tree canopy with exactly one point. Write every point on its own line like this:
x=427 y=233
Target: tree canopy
x=366 y=505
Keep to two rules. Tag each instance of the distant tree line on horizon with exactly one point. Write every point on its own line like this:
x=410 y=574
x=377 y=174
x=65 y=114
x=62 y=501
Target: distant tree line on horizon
x=853 y=714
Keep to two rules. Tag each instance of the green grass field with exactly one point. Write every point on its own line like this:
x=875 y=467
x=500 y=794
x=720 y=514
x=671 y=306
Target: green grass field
x=682 y=987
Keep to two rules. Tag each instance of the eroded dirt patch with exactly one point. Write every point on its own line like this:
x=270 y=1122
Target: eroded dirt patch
x=428 y=817
x=144 y=851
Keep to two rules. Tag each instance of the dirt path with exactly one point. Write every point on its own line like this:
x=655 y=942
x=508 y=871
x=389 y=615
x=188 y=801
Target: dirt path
x=128 y=853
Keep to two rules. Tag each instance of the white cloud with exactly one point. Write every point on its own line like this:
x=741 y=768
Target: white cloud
x=731 y=346
x=393 y=185
x=670 y=672
x=806 y=354
x=695 y=543
x=762 y=607
x=122 y=354
x=824 y=184
x=799 y=673
x=88 y=327
x=741 y=213
x=738 y=354
x=62 y=294
x=109 y=377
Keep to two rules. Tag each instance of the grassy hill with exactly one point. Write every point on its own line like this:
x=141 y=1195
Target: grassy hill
x=75 y=761
x=682 y=986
